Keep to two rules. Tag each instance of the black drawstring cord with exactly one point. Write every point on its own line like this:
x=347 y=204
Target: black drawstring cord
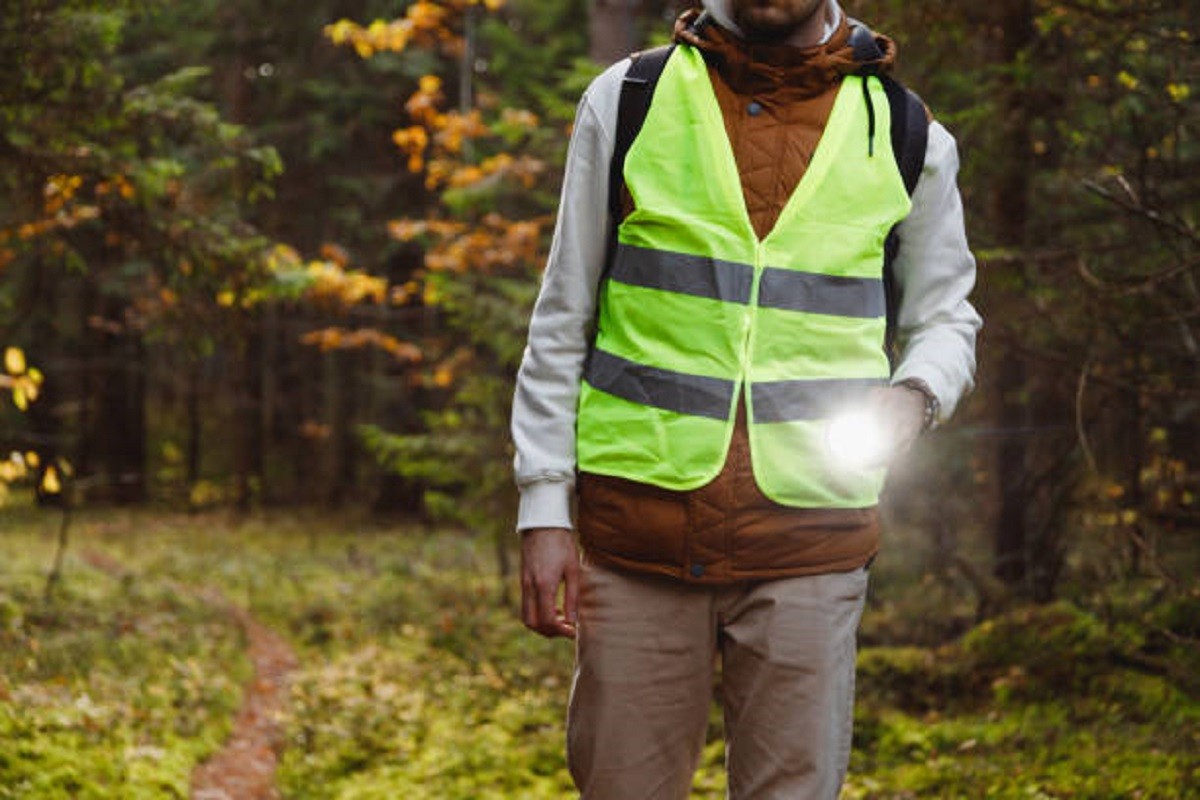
x=870 y=56
x=866 y=86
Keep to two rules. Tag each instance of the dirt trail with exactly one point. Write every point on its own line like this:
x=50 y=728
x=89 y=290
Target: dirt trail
x=244 y=769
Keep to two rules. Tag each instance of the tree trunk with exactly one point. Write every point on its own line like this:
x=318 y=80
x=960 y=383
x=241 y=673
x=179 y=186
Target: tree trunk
x=1010 y=215
x=611 y=29
x=119 y=419
x=344 y=399
x=194 y=424
x=248 y=398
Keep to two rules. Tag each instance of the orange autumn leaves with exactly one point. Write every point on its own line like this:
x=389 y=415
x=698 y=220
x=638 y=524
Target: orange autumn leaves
x=67 y=201
x=337 y=338
x=468 y=157
x=425 y=24
x=435 y=144
x=330 y=286
x=495 y=244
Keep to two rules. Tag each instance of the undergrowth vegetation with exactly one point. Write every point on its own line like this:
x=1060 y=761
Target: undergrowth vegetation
x=413 y=680
x=112 y=687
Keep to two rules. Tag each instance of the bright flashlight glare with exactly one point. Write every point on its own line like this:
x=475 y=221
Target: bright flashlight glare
x=856 y=440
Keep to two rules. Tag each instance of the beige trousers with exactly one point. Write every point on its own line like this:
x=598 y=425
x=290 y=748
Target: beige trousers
x=643 y=681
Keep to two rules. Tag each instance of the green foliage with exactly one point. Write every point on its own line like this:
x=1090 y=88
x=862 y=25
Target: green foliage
x=1074 y=748
x=152 y=166
x=463 y=454
x=412 y=719
x=413 y=682
x=535 y=56
x=1077 y=129
x=1043 y=702
x=114 y=689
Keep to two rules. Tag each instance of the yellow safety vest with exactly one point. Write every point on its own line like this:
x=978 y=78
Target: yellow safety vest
x=697 y=311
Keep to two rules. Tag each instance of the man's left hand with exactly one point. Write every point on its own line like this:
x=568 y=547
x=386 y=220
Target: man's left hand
x=900 y=410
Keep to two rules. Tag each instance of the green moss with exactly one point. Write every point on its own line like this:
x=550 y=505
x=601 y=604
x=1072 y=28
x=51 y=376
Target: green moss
x=415 y=682
x=112 y=689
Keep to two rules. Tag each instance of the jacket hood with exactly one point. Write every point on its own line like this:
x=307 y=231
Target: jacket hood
x=783 y=71
x=719 y=9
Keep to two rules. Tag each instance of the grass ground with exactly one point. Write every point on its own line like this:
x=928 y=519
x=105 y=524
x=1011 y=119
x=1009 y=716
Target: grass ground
x=113 y=688
x=415 y=682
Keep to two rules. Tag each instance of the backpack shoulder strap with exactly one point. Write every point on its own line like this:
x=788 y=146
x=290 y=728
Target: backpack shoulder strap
x=910 y=130
x=637 y=90
x=910 y=137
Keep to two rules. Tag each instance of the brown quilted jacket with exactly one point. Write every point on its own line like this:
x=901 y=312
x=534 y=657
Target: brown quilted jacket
x=775 y=101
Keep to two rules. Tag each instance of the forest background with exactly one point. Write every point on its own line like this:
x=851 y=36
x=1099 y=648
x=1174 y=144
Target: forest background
x=259 y=256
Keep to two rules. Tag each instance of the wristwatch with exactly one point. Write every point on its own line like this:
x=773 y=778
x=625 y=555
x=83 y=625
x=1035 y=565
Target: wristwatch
x=932 y=406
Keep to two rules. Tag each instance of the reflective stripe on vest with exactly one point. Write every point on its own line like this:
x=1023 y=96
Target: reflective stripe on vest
x=698 y=311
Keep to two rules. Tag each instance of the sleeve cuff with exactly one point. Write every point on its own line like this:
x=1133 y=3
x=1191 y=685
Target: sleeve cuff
x=934 y=381
x=545 y=504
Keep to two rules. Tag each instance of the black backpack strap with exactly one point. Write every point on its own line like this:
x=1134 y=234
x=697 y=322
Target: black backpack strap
x=910 y=130
x=910 y=136
x=637 y=90
x=862 y=42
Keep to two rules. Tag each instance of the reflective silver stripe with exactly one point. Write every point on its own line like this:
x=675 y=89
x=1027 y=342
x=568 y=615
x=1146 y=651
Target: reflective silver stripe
x=698 y=276
x=821 y=294
x=787 y=401
x=651 y=386
x=730 y=282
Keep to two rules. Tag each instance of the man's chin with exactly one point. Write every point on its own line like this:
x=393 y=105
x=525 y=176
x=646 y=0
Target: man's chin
x=766 y=26
x=767 y=34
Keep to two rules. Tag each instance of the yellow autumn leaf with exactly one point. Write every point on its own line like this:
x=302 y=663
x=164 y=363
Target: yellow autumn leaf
x=51 y=484
x=10 y=471
x=29 y=389
x=339 y=32
x=429 y=84
x=1179 y=91
x=19 y=399
x=32 y=459
x=14 y=360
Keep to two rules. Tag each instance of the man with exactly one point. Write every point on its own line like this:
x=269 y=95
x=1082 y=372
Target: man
x=690 y=400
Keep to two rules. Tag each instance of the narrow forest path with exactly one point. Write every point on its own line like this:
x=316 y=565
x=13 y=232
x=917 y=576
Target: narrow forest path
x=244 y=769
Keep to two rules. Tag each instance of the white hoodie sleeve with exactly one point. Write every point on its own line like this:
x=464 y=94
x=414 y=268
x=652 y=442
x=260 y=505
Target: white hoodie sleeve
x=935 y=272
x=547 y=393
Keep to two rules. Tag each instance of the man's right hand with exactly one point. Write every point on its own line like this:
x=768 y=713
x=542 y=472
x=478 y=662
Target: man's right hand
x=549 y=559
